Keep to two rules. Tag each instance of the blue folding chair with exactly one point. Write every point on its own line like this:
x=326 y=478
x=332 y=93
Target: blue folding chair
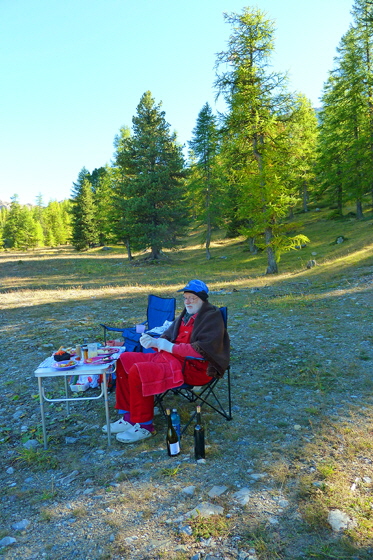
x=206 y=394
x=158 y=311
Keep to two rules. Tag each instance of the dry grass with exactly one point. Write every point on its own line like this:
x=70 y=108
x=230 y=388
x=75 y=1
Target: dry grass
x=59 y=297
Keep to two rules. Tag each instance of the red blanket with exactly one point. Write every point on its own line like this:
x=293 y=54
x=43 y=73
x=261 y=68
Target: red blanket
x=161 y=374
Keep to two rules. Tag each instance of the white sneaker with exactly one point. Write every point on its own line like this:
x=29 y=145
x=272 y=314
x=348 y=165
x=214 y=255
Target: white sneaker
x=117 y=427
x=133 y=434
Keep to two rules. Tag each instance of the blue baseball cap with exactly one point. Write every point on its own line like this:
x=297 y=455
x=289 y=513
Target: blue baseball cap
x=198 y=288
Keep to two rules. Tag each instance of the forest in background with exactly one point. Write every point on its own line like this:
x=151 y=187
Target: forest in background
x=249 y=171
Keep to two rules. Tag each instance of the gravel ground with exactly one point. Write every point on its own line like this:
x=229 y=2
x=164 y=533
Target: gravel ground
x=302 y=364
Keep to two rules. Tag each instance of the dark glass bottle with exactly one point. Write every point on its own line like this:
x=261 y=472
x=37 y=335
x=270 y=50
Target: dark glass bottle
x=199 y=437
x=175 y=419
x=173 y=445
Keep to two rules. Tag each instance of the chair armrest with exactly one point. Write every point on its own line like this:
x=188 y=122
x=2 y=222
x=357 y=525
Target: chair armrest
x=116 y=329
x=189 y=359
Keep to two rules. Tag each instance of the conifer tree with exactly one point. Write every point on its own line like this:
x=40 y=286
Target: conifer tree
x=56 y=223
x=346 y=132
x=302 y=132
x=152 y=180
x=20 y=228
x=256 y=141
x=101 y=180
x=205 y=181
x=84 y=230
x=121 y=219
x=3 y=217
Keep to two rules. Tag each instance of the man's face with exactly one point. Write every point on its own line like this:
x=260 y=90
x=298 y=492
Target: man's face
x=192 y=303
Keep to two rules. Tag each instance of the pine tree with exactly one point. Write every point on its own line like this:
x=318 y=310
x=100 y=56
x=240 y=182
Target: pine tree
x=84 y=230
x=205 y=181
x=152 y=181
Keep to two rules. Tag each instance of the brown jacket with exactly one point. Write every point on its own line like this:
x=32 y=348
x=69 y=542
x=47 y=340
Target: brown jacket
x=209 y=338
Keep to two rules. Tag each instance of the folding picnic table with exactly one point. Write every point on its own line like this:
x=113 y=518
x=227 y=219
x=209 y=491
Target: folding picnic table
x=45 y=370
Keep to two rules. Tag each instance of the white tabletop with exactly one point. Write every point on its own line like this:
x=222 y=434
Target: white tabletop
x=81 y=369
x=46 y=369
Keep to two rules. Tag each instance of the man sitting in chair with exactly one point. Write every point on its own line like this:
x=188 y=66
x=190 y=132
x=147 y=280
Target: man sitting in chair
x=199 y=332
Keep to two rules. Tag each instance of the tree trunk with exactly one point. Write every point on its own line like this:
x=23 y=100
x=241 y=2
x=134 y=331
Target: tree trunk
x=271 y=257
x=359 y=210
x=129 y=253
x=305 y=197
x=340 y=200
x=252 y=247
x=156 y=253
x=208 y=238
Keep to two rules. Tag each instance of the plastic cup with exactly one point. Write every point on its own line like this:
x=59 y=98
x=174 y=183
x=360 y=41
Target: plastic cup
x=140 y=328
x=92 y=350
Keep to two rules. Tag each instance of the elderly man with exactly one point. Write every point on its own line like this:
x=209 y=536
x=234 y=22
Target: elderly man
x=199 y=332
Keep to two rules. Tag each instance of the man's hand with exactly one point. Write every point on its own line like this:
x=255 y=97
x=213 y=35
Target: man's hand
x=164 y=344
x=148 y=341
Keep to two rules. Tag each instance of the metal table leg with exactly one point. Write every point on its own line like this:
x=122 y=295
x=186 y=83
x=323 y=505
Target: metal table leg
x=67 y=397
x=106 y=400
x=42 y=412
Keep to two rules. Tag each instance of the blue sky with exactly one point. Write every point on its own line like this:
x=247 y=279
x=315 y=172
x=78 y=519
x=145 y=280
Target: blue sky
x=73 y=73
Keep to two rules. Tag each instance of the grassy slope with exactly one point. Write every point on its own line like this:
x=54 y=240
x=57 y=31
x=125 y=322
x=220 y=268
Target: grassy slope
x=231 y=266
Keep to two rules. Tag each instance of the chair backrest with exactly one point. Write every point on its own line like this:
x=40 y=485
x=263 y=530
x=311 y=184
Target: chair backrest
x=224 y=314
x=160 y=310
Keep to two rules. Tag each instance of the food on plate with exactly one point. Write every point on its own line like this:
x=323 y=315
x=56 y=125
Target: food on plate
x=67 y=363
x=61 y=356
x=106 y=350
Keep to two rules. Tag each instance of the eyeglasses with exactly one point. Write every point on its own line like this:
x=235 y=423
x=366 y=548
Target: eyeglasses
x=191 y=299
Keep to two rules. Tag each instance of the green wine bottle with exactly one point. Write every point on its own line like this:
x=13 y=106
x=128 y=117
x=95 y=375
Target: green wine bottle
x=172 y=440
x=199 y=437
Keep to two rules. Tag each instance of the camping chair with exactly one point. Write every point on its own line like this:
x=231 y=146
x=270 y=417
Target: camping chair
x=206 y=394
x=158 y=311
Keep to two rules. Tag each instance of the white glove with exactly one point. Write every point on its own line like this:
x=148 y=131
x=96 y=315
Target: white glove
x=164 y=344
x=147 y=341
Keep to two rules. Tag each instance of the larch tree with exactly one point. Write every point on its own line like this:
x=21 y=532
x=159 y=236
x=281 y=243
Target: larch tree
x=56 y=223
x=331 y=147
x=362 y=11
x=346 y=131
x=205 y=178
x=302 y=132
x=122 y=175
x=101 y=180
x=257 y=132
x=345 y=145
x=21 y=231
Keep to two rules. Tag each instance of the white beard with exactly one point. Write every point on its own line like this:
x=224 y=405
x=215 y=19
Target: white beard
x=193 y=308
